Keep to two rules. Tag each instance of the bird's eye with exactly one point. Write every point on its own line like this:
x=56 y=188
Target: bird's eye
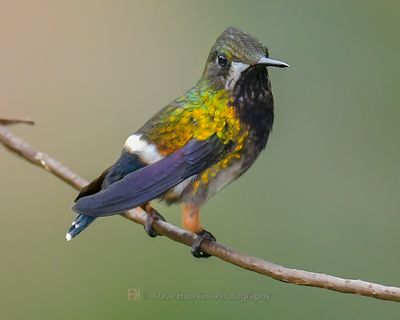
x=222 y=61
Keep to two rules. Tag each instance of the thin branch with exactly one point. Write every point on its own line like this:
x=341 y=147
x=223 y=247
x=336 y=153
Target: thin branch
x=10 y=121
x=242 y=260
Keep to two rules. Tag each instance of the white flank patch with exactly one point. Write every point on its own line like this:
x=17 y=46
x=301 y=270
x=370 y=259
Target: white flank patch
x=68 y=237
x=146 y=151
x=234 y=74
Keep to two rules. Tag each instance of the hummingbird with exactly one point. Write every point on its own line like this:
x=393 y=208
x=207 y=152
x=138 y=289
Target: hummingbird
x=193 y=147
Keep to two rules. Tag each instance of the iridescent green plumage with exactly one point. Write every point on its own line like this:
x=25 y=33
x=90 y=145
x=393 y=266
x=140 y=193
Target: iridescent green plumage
x=199 y=114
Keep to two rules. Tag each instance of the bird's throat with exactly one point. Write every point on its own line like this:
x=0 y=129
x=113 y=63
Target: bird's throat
x=252 y=97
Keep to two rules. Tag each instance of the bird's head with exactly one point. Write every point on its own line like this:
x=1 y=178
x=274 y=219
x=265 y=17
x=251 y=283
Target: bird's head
x=234 y=52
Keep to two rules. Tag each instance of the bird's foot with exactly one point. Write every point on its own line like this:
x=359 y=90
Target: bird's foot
x=201 y=237
x=152 y=215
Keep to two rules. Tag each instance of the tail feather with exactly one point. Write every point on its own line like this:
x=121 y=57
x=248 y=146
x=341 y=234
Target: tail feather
x=82 y=222
x=126 y=164
x=79 y=224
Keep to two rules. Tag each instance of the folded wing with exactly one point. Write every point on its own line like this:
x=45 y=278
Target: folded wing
x=153 y=180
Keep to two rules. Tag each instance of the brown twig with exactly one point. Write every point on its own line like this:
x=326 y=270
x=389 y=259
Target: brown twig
x=10 y=121
x=294 y=276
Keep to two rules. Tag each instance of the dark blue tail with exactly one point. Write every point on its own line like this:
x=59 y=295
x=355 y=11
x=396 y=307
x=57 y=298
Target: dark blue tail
x=126 y=164
x=79 y=224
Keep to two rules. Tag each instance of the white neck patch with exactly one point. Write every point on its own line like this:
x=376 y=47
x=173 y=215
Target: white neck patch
x=234 y=74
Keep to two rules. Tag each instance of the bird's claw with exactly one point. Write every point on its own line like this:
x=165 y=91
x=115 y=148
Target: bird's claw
x=148 y=226
x=201 y=236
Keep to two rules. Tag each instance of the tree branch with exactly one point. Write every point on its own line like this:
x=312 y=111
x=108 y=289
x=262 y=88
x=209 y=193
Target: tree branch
x=10 y=121
x=242 y=260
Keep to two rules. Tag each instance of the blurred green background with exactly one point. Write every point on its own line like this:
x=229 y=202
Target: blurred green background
x=323 y=197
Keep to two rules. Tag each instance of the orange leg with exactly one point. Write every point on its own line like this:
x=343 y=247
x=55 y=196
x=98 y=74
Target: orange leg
x=191 y=222
x=191 y=218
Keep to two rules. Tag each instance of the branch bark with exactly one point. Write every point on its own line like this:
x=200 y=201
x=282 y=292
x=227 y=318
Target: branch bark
x=242 y=260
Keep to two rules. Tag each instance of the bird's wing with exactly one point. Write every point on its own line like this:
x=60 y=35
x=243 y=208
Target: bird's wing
x=153 y=180
x=93 y=187
x=127 y=163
